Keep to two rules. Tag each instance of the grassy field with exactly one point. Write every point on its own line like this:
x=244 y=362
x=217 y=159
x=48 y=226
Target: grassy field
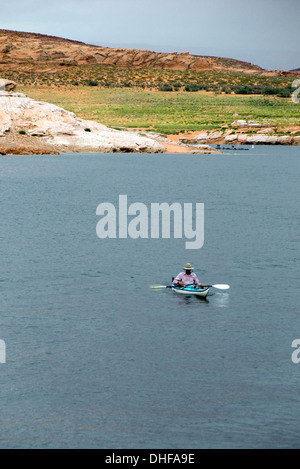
x=166 y=112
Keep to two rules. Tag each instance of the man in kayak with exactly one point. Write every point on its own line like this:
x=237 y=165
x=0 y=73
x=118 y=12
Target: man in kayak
x=187 y=278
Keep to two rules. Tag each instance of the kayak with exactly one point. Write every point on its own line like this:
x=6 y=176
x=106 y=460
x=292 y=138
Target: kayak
x=191 y=290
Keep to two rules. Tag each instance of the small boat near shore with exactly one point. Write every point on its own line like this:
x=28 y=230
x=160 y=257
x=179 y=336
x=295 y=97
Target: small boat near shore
x=232 y=147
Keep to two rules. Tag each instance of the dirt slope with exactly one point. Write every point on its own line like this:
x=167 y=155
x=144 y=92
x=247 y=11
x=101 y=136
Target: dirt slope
x=22 y=47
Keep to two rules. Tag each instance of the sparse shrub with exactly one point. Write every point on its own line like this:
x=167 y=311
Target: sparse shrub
x=177 y=86
x=202 y=86
x=191 y=87
x=270 y=91
x=7 y=48
x=87 y=130
x=243 y=90
x=93 y=83
x=165 y=87
x=285 y=92
x=22 y=132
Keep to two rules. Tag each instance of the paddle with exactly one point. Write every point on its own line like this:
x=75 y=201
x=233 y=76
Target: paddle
x=219 y=286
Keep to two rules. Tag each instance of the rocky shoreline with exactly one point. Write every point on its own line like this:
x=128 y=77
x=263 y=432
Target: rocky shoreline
x=244 y=139
x=29 y=127
x=37 y=128
x=245 y=133
x=15 y=144
x=32 y=126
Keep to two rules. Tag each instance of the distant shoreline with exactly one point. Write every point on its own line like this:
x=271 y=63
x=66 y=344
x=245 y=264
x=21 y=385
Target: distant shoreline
x=26 y=145
x=125 y=121
x=176 y=114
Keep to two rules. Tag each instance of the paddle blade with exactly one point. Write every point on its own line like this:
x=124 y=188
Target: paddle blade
x=221 y=286
x=157 y=287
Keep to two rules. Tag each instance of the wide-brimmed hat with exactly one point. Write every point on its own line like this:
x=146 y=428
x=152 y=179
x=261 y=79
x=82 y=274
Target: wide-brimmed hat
x=188 y=266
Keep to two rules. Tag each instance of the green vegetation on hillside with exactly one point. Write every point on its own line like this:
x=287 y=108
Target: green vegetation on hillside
x=108 y=76
x=168 y=112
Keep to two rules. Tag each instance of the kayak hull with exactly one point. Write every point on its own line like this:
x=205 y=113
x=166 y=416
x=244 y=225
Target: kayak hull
x=191 y=290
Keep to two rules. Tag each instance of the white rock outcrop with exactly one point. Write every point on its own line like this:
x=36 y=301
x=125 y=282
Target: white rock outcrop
x=56 y=126
x=259 y=138
x=7 y=85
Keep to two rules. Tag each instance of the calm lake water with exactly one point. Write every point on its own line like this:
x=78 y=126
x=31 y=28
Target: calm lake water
x=95 y=359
